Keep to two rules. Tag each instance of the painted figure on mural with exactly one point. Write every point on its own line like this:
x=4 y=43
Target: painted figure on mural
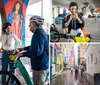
x=17 y=20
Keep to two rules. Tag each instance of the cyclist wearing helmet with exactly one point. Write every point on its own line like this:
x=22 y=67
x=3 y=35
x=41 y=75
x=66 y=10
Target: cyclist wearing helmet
x=74 y=20
x=38 y=51
x=8 y=42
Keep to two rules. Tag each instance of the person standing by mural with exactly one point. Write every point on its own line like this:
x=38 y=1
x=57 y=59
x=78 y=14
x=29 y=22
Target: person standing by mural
x=8 y=42
x=17 y=20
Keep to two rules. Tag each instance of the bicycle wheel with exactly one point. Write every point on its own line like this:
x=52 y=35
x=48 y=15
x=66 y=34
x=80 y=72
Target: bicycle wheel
x=10 y=78
x=54 y=36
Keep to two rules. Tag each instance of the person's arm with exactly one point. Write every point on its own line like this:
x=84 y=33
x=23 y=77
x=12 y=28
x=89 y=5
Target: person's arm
x=1 y=50
x=1 y=41
x=1 y=38
x=78 y=18
x=17 y=41
x=21 y=54
x=81 y=25
x=68 y=20
x=80 y=21
x=24 y=49
x=37 y=46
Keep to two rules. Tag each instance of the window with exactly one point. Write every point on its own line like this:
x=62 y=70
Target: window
x=88 y=60
x=91 y=58
x=95 y=61
x=51 y=49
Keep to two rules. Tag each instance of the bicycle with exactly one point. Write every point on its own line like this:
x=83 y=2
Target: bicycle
x=55 y=37
x=18 y=64
x=53 y=32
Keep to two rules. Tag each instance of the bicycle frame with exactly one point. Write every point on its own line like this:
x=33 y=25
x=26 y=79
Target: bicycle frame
x=73 y=39
x=20 y=65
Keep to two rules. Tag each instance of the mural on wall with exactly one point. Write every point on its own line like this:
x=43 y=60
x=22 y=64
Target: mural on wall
x=3 y=19
x=0 y=24
x=15 y=14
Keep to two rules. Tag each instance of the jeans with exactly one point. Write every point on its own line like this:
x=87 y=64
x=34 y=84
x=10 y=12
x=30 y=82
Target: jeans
x=5 y=62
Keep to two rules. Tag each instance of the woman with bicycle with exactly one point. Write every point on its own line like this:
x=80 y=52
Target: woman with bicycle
x=8 y=40
x=74 y=20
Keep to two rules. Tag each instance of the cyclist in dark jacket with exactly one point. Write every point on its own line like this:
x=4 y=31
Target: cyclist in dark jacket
x=38 y=50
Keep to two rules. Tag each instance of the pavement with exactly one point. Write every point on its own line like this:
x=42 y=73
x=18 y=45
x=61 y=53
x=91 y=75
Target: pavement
x=89 y=78
x=67 y=78
x=58 y=74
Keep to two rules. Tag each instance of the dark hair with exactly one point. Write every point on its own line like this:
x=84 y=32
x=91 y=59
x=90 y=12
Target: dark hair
x=73 y=4
x=20 y=10
x=5 y=25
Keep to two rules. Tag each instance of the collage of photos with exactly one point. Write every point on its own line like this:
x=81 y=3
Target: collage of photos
x=49 y=42
x=75 y=42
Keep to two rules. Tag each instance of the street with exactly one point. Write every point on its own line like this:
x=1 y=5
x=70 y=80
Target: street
x=68 y=79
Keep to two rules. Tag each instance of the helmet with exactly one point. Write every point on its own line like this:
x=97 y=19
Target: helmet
x=64 y=10
x=39 y=20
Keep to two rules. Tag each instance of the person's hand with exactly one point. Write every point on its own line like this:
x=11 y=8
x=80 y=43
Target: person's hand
x=21 y=49
x=18 y=55
x=67 y=23
x=1 y=50
x=62 y=18
x=71 y=17
x=76 y=16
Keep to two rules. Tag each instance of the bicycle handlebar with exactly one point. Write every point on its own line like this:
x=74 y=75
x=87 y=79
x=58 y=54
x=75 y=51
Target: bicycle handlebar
x=12 y=55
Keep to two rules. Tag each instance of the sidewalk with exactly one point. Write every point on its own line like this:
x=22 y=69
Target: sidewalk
x=89 y=78
x=68 y=78
x=58 y=74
